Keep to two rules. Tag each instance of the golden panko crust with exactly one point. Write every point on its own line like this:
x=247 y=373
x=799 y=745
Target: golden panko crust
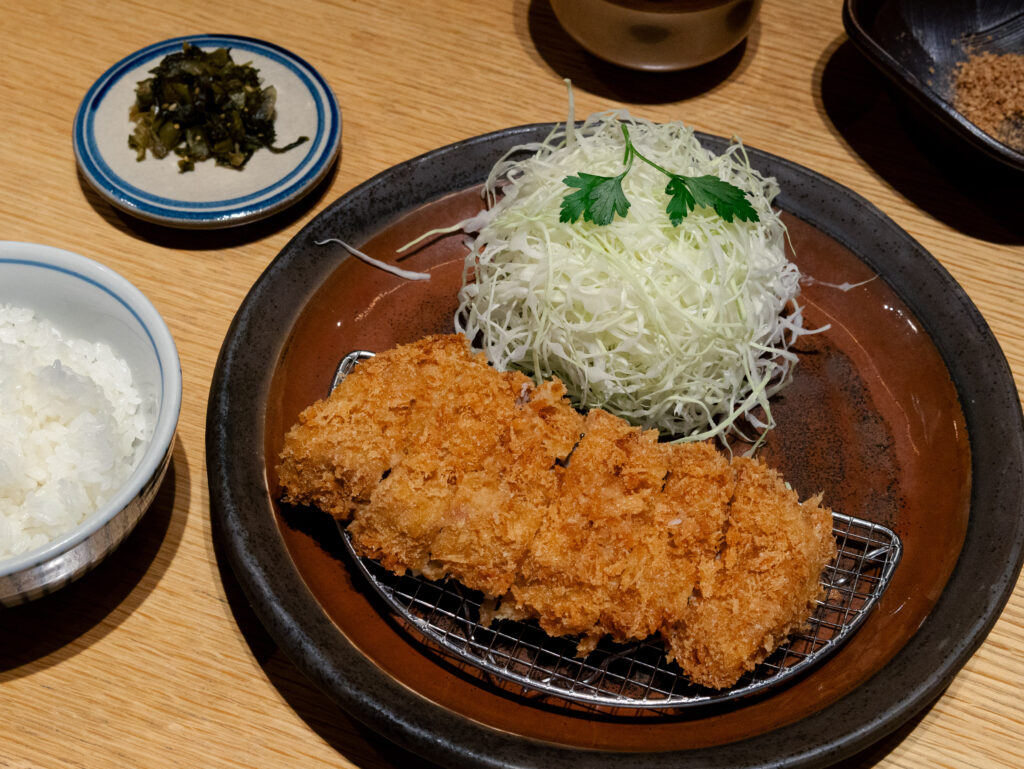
x=448 y=468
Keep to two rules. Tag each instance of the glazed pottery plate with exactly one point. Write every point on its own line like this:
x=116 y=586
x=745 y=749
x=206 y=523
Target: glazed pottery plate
x=918 y=44
x=903 y=411
x=210 y=196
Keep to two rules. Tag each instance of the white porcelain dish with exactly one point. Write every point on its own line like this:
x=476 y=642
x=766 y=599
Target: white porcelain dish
x=211 y=196
x=90 y=301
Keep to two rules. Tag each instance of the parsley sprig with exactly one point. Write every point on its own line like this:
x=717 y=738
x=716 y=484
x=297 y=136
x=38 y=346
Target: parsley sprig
x=598 y=199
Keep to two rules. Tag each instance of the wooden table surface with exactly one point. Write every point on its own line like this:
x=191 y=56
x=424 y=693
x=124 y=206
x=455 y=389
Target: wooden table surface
x=155 y=659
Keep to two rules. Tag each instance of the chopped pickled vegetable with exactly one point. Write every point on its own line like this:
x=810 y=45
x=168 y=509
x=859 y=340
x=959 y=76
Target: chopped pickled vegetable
x=200 y=105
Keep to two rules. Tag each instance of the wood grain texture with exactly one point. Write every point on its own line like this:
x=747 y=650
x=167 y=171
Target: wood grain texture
x=154 y=659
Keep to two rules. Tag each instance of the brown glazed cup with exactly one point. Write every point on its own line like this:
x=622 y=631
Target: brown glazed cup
x=658 y=35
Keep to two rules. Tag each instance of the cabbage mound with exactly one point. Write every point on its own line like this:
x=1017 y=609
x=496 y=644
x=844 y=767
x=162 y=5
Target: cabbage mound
x=684 y=329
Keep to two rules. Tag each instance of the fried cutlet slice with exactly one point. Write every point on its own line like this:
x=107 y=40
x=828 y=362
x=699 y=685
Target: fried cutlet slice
x=445 y=465
x=467 y=502
x=340 y=448
x=622 y=551
x=498 y=508
x=461 y=418
x=694 y=504
x=762 y=586
x=449 y=468
x=584 y=572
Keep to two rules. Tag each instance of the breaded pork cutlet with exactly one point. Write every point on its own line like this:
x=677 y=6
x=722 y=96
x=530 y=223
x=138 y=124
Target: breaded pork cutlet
x=447 y=467
x=619 y=553
x=758 y=589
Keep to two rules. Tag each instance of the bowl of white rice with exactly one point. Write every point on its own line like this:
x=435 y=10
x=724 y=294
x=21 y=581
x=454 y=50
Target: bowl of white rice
x=90 y=392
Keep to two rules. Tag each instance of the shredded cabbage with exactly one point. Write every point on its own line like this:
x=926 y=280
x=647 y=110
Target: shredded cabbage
x=682 y=329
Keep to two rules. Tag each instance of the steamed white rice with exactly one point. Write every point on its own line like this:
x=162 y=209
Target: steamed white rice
x=72 y=428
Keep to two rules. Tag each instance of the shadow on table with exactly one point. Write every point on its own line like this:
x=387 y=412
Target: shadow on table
x=348 y=736
x=53 y=628
x=916 y=155
x=208 y=239
x=539 y=30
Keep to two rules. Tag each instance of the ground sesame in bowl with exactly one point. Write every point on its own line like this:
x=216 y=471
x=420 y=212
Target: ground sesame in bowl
x=988 y=88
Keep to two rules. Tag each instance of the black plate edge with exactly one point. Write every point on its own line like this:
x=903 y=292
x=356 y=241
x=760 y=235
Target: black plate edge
x=992 y=409
x=994 y=418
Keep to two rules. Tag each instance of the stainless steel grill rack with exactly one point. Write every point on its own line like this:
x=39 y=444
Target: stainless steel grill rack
x=637 y=675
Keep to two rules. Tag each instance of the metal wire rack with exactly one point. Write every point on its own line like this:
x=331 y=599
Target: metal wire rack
x=634 y=675
x=637 y=675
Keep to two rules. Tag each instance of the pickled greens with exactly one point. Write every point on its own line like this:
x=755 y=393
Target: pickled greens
x=200 y=105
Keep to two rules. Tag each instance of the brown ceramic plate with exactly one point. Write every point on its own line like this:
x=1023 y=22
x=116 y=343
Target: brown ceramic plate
x=904 y=412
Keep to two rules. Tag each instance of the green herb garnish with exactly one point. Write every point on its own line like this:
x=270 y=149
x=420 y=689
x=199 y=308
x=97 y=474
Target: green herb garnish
x=598 y=198
x=203 y=105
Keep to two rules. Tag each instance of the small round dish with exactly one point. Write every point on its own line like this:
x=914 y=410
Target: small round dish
x=211 y=196
x=94 y=303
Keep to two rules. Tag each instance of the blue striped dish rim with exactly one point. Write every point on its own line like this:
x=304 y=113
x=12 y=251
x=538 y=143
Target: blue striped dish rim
x=229 y=211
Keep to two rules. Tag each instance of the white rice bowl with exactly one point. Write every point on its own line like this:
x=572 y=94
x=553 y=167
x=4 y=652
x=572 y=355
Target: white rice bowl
x=84 y=441
x=72 y=429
